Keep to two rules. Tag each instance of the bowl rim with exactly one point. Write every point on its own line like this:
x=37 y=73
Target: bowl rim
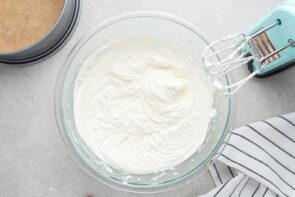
x=59 y=112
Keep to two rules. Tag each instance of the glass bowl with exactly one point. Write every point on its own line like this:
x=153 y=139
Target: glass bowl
x=165 y=26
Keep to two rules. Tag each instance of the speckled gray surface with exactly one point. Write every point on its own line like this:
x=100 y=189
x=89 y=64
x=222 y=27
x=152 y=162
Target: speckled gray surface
x=34 y=161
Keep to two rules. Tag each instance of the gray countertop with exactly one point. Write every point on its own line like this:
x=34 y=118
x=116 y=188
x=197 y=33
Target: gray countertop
x=34 y=161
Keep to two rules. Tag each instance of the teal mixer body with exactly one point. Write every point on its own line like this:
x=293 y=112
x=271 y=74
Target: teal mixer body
x=272 y=41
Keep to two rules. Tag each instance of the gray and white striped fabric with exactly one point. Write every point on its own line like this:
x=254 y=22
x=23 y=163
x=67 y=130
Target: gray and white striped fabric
x=258 y=160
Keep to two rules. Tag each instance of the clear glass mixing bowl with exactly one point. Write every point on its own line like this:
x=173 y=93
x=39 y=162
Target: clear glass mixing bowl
x=165 y=26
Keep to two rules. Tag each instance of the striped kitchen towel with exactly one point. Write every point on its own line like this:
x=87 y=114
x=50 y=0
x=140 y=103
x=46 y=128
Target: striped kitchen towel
x=257 y=160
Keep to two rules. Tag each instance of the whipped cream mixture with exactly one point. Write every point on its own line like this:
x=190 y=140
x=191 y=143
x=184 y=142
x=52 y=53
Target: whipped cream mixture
x=142 y=106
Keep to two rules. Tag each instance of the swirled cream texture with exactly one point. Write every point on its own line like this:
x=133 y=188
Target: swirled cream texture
x=142 y=106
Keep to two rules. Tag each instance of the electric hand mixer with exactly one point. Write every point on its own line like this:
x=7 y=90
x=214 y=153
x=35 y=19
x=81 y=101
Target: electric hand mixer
x=268 y=48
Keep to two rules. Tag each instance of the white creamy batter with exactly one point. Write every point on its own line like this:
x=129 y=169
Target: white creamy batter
x=142 y=106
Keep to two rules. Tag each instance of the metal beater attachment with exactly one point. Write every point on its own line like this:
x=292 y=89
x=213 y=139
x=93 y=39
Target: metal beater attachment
x=239 y=51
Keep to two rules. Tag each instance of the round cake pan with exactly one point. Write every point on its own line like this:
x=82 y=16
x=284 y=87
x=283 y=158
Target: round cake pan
x=51 y=42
